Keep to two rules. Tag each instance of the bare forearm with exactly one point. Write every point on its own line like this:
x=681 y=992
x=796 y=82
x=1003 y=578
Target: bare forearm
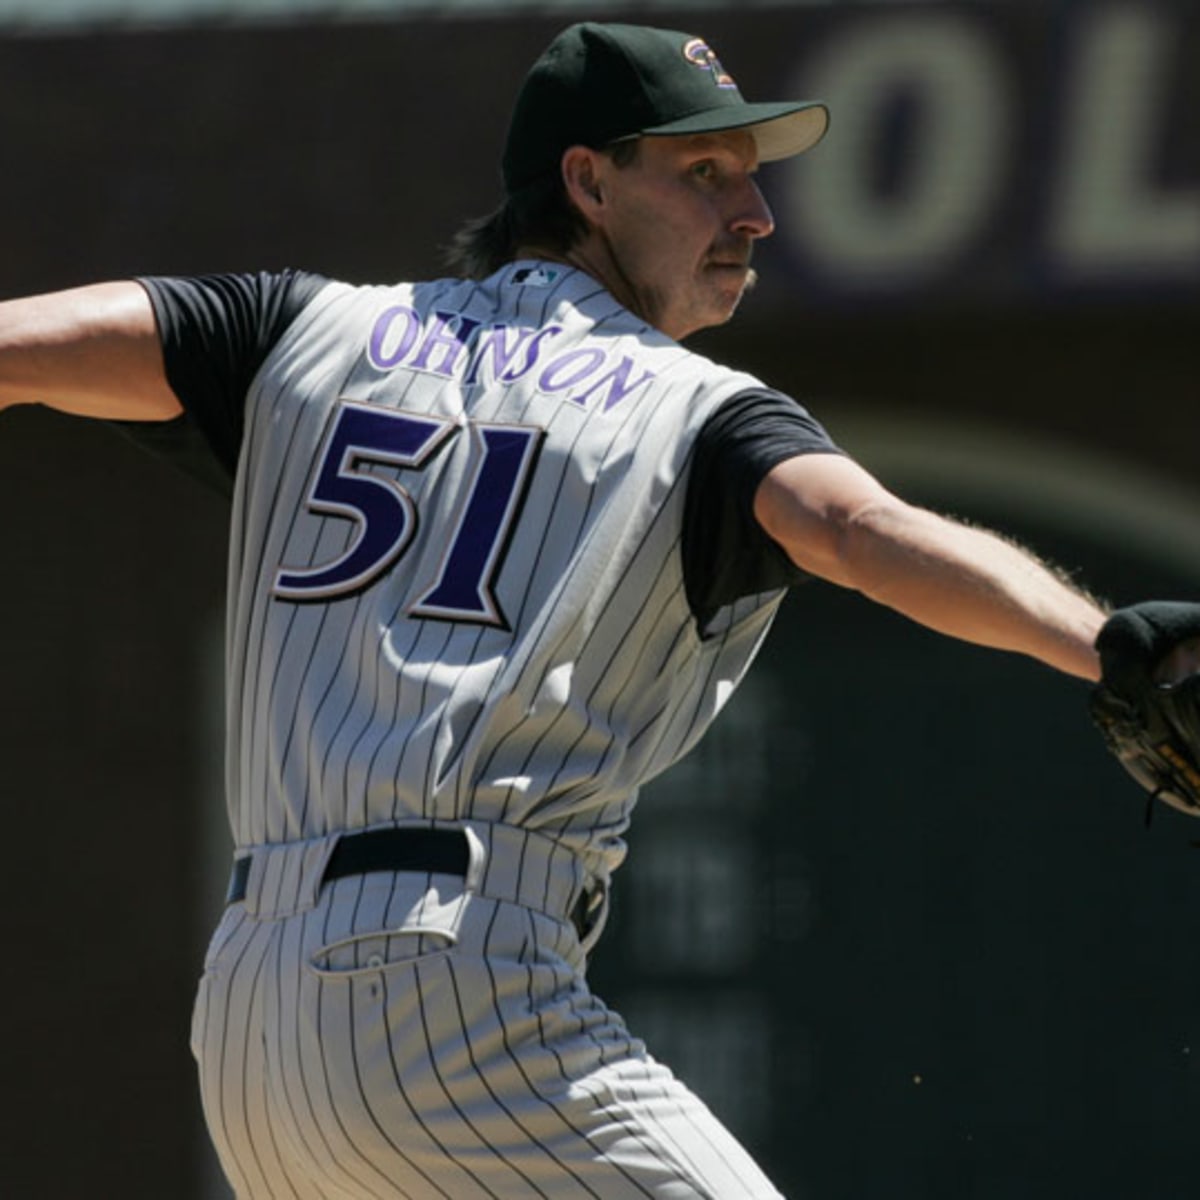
x=92 y=350
x=835 y=520
x=971 y=584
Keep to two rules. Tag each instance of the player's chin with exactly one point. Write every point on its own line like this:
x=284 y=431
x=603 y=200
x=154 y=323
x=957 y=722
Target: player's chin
x=730 y=285
x=733 y=280
x=713 y=302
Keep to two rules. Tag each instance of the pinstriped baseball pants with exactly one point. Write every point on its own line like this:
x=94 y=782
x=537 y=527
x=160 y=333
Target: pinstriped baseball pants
x=396 y=1036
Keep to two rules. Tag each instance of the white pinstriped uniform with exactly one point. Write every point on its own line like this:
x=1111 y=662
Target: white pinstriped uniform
x=505 y=645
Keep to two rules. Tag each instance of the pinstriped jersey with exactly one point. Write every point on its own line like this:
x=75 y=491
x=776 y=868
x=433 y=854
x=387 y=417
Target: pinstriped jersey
x=456 y=585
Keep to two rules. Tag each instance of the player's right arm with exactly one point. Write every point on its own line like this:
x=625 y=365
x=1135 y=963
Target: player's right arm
x=94 y=351
x=836 y=521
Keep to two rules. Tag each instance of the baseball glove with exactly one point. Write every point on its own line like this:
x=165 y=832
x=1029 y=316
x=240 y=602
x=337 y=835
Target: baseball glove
x=1153 y=729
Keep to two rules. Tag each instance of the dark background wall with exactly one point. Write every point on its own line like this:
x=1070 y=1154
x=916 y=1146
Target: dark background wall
x=897 y=919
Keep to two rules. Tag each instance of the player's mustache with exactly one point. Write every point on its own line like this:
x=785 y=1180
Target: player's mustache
x=733 y=253
x=737 y=253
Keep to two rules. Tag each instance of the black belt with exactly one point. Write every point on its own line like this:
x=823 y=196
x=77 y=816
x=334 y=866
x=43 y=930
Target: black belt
x=443 y=851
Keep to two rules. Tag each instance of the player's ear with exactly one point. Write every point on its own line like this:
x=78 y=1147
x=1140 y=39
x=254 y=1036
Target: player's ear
x=581 y=178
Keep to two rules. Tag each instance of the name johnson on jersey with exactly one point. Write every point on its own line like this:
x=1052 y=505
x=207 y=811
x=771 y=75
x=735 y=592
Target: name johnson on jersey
x=453 y=345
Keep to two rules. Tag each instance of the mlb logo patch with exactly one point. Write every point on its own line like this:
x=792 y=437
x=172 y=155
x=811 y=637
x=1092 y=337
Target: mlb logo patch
x=536 y=276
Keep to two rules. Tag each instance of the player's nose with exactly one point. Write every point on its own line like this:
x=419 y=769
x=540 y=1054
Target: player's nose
x=752 y=215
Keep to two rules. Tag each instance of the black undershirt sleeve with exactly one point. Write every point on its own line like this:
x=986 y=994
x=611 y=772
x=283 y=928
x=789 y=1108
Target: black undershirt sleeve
x=726 y=552
x=216 y=331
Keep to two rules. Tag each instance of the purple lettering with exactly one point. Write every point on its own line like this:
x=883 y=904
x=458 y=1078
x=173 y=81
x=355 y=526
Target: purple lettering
x=513 y=353
x=532 y=353
x=386 y=349
x=620 y=385
x=440 y=336
x=496 y=340
x=570 y=369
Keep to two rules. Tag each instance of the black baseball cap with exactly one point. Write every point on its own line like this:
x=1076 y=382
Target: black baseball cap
x=600 y=83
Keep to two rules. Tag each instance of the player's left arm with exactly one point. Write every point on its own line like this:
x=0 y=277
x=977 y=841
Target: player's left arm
x=94 y=351
x=835 y=520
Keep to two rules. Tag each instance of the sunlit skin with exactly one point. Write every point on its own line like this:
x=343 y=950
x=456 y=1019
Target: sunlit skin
x=671 y=234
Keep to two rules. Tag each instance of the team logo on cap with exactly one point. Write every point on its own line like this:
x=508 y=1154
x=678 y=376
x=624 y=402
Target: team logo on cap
x=700 y=54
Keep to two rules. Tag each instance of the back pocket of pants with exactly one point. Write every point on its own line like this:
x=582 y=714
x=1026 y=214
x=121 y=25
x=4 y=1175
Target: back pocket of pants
x=364 y=953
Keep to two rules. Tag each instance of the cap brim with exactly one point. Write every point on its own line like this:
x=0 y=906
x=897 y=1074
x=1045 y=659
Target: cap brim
x=780 y=130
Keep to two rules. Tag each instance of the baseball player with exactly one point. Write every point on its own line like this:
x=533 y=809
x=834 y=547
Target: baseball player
x=501 y=547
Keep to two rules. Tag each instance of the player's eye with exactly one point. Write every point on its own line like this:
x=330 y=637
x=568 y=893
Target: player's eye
x=704 y=169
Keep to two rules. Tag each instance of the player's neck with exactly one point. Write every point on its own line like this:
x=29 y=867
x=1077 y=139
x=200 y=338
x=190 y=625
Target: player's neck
x=594 y=258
